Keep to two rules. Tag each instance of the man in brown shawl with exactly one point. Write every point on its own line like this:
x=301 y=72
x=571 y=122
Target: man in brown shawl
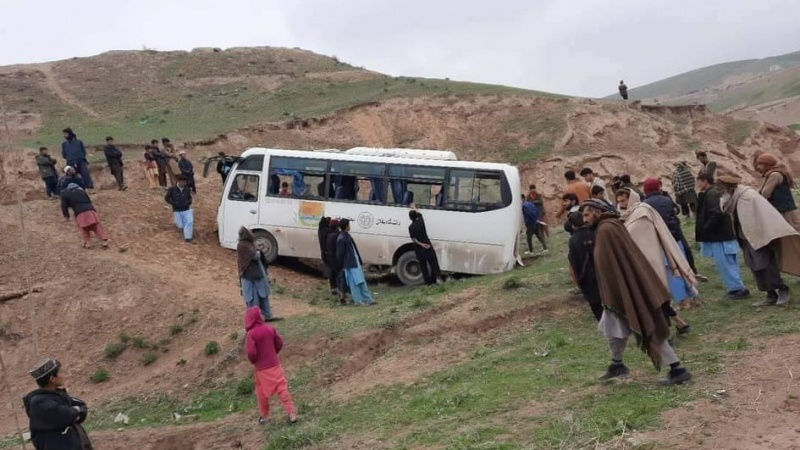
x=632 y=294
x=769 y=243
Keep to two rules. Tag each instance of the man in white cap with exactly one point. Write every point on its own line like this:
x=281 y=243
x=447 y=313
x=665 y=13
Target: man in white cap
x=55 y=417
x=70 y=177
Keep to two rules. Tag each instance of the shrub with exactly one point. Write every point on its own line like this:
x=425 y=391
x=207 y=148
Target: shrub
x=175 y=329
x=124 y=338
x=114 y=349
x=140 y=343
x=511 y=283
x=420 y=302
x=212 y=348
x=244 y=387
x=149 y=358
x=99 y=376
x=233 y=336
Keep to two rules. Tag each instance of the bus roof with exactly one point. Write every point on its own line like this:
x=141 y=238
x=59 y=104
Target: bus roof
x=333 y=155
x=403 y=153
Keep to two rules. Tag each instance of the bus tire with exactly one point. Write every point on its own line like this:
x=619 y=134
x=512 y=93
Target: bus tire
x=266 y=241
x=408 y=270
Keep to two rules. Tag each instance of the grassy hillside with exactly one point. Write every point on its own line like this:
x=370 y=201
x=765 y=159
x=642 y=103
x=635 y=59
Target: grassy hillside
x=136 y=96
x=712 y=76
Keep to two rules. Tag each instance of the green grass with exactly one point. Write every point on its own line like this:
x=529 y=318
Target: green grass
x=531 y=386
x=795 y=126
x=100 y=376
x=211 y=348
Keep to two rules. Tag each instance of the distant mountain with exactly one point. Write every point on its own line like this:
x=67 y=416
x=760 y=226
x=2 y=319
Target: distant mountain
x=761 y=89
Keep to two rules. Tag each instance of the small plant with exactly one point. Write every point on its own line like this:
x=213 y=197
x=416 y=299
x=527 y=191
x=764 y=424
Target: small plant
x=114 y=349
x=244 y=387
x=175 y=330
x=140 y=343
x=511 y=283
x=233 y=336
x=99 y=376
x=212 y=348
x=390 y=324
x=420 y=302
x=124 y=338
x=149 y=358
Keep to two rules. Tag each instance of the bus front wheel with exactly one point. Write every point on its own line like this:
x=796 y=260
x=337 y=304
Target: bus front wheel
x=266 y=242
x=408 y=269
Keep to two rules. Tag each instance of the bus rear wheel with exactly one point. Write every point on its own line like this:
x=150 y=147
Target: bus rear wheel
x=408 y=269
x=266 y=242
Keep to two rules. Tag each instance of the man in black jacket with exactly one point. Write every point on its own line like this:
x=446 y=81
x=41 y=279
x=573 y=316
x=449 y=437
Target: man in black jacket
x=55 y=417
x=180 y=198
x=114 y=159
x=423 y=248
x=717 y=237
x=47 y=170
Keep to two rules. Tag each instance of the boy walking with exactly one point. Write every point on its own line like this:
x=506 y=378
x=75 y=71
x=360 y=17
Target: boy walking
x=180 y=198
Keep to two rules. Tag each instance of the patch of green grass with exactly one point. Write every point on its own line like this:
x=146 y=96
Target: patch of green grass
x=114 y=349
x=149 y=358
x=99 y=376
x=211 y=348
x=511 y=283
x=140 y=343
x=175 y=330
x=795 y=126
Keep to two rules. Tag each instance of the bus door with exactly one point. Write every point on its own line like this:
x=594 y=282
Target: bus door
x=241 y=205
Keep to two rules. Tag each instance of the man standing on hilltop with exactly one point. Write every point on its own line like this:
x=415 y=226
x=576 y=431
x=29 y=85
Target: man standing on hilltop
x=47 y=170
x=623 y=90
x=114 y=159
x=74 y=152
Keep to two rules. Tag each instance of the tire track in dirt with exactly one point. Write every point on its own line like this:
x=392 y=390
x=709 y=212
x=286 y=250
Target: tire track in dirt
x=53 y=84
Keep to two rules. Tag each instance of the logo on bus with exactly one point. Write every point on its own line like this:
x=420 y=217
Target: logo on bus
x=365 y=220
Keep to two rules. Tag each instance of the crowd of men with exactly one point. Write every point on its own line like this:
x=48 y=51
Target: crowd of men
x=632 y=261
x=74 y=186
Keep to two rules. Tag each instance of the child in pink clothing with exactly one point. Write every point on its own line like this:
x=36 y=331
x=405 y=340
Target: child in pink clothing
x=263 y=343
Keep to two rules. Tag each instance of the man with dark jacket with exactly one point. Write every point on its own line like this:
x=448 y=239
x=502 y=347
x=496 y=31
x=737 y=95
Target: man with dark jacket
x=74 y=152
x=55 y=417
x=180 y=198
x=114 y=159
x=187 y=170
x=623 y=90
x=717 y=237
x=349 y=259
x=337 y=280
x=47 y=170
x=581 y=263
x=224 y=165
x=423 y=248
x=530 y=214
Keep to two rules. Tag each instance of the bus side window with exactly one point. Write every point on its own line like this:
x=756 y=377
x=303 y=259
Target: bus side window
x=476 y=191
x=416 y=184
x=244 y=188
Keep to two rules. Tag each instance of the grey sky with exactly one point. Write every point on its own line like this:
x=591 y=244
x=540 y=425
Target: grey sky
x=578 y=47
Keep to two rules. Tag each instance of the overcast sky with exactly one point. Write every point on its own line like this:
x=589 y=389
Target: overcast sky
x=577 y=47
